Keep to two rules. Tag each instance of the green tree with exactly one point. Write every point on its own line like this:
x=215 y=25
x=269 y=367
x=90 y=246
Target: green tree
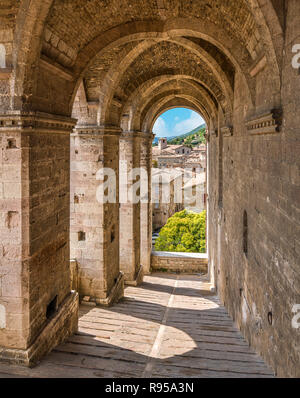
x=184 y=232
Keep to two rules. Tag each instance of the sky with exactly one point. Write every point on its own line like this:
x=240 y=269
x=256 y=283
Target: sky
x=176 y=121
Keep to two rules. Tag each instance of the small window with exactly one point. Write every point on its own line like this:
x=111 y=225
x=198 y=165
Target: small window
x=245 y=233
x=81 y=235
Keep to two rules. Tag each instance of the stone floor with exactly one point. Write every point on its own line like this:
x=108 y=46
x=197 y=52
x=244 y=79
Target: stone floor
x=171 y=326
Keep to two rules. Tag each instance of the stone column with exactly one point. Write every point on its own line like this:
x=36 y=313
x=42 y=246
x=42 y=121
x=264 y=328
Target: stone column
x=146 y=208
x=130 y=209
x=94 y=222
x=37 y=308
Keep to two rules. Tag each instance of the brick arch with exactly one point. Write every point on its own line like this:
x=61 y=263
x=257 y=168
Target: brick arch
x=153 y=30
x=271 y=27
x=178 y=96
x=171 y=88
x=30 y=23
x=114 y=75
x=145 y=90
x=171 y=103
x=125 y=82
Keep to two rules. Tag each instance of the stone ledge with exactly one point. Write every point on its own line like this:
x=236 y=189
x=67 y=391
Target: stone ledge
x=139 y=278
x=268 y=123
x=62 y=325
x=41 y=122
x=179 y=262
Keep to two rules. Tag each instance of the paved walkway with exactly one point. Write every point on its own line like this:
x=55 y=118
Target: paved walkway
x=171 y=326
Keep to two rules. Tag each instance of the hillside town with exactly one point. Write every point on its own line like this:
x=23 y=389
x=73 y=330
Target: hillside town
x=177 y=167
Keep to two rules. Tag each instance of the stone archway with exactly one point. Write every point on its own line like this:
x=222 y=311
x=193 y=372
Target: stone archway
x=230 y=62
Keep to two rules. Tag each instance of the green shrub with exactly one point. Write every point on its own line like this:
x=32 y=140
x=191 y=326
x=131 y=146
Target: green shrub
x=183 y=232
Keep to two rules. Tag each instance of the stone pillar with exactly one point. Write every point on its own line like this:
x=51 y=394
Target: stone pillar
x=37 y=308
x=130 y=209
x=146 y=208
x=94 y=224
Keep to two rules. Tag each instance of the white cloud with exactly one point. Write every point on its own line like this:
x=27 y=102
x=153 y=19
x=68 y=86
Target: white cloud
x=189 y=124
x=160 y=128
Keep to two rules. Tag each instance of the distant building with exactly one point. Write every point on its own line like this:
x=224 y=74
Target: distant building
x=172 y=162
x=165 y=182
x=166 y=156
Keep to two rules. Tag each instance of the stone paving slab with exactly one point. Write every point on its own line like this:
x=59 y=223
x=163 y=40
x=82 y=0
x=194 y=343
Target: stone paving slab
x=171 y=326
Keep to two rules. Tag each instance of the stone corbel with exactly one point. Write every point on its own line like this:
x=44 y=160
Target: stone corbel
x=268 y=123
x=227 y=131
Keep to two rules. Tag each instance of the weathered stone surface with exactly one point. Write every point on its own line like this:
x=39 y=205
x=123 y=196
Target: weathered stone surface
x=94 y=225
x=128 y=62
x=179 y=262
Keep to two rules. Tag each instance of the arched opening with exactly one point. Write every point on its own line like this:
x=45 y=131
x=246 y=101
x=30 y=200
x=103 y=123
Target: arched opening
x=179 y=157
x=116 y=70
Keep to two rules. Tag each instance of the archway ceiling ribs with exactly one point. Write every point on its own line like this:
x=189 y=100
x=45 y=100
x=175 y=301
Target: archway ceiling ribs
x=95 y=74
x=177 y=102
x=239 y=28
x=160 y=59
x=182 y=89
x=169 y=102
x=102 y=63
x=96 y=16
x=144 y=92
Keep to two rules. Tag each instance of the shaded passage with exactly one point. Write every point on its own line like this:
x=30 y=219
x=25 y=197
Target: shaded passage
x=171 y=326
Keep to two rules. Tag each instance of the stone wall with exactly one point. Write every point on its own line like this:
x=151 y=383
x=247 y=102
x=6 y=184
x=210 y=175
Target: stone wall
x=94 y=225
x=34 y=228
x=179 y=262
x=259 y=283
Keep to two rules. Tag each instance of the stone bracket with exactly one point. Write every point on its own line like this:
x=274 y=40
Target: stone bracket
x=227 y=131
x=116 y=293
x=139 y=278
x=268 y=123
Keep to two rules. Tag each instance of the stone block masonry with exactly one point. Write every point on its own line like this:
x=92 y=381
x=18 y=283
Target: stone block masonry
x=179 y=262
x=34 y=233
x=94 y=231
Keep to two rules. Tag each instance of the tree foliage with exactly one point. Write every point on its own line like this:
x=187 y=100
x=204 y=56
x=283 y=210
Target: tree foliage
x=183 y=232
x=191 y=139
